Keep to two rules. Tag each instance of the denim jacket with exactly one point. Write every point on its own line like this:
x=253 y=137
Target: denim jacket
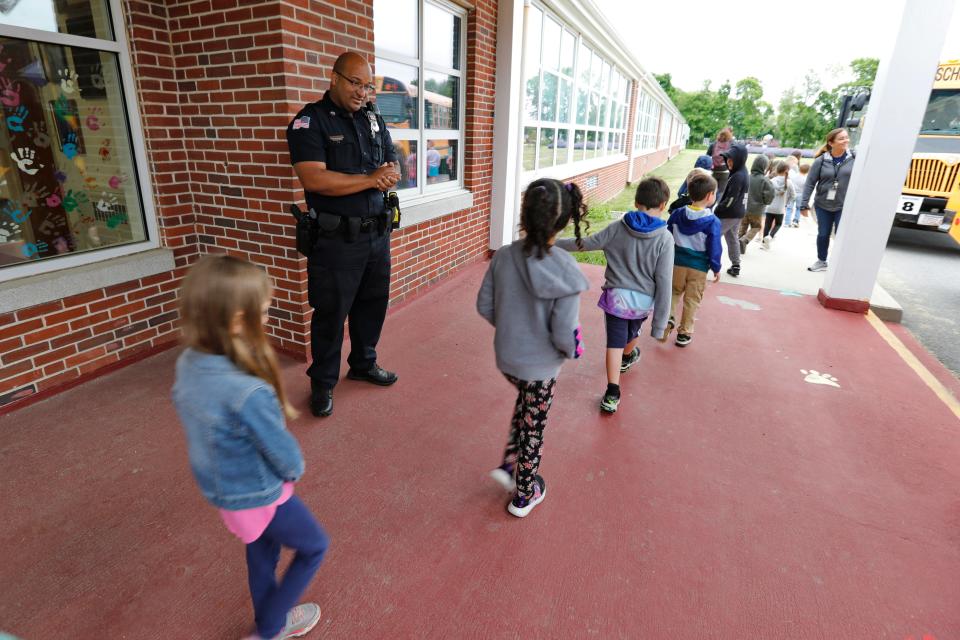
x=240 y=450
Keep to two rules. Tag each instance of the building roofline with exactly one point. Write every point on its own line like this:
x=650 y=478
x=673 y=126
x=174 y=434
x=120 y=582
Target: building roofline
x=587 y=17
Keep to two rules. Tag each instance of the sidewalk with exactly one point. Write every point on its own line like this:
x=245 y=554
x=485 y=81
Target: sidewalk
x=784 y=268
x=728 y=498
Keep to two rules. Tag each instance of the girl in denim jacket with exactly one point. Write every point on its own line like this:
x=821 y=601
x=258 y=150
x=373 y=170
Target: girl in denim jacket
x=231 y=404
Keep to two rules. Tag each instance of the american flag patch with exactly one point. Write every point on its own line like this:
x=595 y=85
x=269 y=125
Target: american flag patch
x=302 y=122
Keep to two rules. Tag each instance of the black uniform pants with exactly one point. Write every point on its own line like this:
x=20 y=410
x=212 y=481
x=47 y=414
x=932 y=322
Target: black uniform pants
x=347 y=280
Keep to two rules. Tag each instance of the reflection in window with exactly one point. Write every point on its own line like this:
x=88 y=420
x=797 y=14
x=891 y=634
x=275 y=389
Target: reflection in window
x=529 y=148
x=88 y=18
x=563 y=145
x=532 y=98
x=68 y=182
x=441 y=37
x=566 y=94
x=581 y=107
x=397 y=94
x=549 y=111
x=441 y=160
x=395 y=26
x=566 y=53
x=567 y=83
x=547 y=144
x=407 y=159
x=532 y=39
x=551 y=44
x=441 y=101
x=420 y=90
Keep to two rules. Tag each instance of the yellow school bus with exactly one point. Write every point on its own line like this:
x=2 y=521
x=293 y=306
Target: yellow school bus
x=931 y=192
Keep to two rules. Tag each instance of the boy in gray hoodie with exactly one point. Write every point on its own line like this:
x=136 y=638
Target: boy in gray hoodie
x=531 y=295
x=760 y=195
x=638 y=279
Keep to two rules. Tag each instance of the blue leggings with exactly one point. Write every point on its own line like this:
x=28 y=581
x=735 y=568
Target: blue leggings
x=293 y=527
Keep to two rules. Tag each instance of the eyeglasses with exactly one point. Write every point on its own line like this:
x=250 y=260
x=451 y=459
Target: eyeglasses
x=356 y=84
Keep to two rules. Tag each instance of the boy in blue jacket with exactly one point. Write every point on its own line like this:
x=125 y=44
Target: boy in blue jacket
x=696 y=236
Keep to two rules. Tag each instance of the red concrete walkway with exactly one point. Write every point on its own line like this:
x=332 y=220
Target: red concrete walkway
x=727 y=499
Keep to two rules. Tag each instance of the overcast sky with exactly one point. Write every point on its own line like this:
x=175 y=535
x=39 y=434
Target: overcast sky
x=776 y=42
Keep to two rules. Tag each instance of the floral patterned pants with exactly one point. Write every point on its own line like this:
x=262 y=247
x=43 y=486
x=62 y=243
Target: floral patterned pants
x=526 y=430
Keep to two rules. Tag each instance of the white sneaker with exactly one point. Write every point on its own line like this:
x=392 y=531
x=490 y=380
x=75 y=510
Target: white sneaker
x=819 y=265
x=504 y=477
x=520 y=507
x=766 y=243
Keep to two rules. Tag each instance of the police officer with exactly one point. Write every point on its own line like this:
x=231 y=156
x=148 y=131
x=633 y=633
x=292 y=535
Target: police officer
x=345 y=160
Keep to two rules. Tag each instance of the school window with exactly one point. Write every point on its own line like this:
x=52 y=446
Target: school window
x=69 y=180
x=420 y=58
x=665 y=128
x=647 y=118
x=575 y=101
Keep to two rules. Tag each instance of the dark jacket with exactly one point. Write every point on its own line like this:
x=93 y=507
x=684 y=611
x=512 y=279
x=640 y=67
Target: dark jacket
x=761 y=187
x=733 y=202
x=822 y=175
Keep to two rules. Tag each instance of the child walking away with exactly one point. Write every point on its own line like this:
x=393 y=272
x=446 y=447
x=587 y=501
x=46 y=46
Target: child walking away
x=703 y=163
x=798 y=185
x=531 y=295
x=696 y=232
x=760 y=195
x=784 y=193
x=639 y=254
x=231 y=405
x=731 y=206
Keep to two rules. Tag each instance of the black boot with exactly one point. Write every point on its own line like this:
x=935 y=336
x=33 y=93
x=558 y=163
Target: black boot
x=321 y=401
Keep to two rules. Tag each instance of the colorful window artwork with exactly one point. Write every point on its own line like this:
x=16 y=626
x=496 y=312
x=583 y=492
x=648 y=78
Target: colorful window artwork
x=67 y=175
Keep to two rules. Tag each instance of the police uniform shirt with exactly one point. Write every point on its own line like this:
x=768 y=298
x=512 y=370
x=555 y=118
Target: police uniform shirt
x=323 y=132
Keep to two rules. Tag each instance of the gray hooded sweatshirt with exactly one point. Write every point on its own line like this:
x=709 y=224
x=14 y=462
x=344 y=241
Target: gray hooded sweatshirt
x=639 y=252
x=534 y=303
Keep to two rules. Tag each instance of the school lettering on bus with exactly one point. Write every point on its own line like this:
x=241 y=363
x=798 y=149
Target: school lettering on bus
x=948 y=72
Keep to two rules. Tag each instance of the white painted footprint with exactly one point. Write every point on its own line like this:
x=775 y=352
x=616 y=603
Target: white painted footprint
x=735 y=302
x=815 y=377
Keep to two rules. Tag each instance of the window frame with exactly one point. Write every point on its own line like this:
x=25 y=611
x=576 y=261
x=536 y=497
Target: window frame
x=425 y=193
x=571 y=161
x=128 y=95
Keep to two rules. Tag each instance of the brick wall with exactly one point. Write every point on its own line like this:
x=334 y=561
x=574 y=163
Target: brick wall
x=217 y=82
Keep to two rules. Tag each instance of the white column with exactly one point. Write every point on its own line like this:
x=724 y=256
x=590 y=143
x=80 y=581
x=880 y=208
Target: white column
x=897 y=103
x=507 y=123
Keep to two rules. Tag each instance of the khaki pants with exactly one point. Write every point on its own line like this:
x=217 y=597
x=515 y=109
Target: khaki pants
x=688 y=283
x=750 y=226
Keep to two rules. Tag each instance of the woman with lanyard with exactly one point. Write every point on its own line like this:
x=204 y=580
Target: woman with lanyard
x=830 y=176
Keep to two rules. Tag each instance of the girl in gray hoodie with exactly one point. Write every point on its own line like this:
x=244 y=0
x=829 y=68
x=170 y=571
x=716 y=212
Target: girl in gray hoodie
x=531 y=295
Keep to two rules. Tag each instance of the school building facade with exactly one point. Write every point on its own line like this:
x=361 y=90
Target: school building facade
x=141 y=134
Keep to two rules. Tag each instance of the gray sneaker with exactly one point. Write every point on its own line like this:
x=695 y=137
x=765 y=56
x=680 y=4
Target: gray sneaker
x=300 y=620
x=819 y=265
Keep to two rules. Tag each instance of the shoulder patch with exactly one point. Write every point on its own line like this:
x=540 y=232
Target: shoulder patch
x=303 y=122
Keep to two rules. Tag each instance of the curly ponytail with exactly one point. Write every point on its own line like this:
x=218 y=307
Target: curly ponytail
x=547 y=208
